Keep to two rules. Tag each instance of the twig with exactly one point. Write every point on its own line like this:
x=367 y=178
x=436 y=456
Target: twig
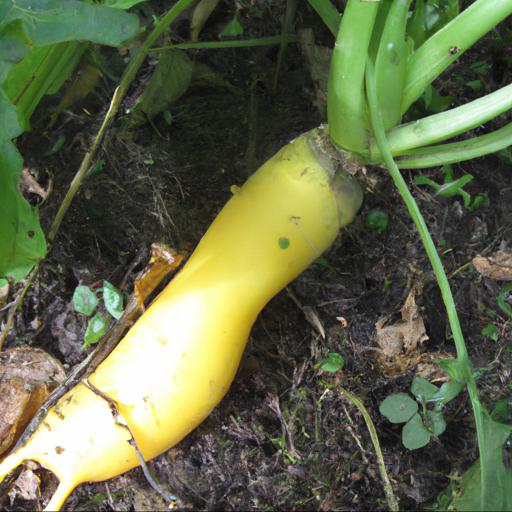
x=388 y=489
x=119 y=419
x=15 y=304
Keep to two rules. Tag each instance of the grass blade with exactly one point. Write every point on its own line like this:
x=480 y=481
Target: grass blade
x=328 y=13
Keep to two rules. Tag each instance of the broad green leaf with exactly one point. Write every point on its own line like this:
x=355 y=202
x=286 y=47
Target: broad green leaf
x=468 y=494
x=332 y=362
x=422 y=389
x=9 y=128
x=14 y=45
x=54 y=21
x=96 y=328
x=414 y=433
x=22 y=241
x=84 y=300
x=113 y=300
x=398 y=408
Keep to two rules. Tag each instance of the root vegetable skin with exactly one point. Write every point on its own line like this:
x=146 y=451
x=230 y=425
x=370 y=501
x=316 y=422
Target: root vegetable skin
x=179 y=359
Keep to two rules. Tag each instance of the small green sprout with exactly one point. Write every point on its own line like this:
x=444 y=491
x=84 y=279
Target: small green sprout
x=377 y=220
x=232 y=29
x=491 y=331
x=420 y=425
x=85 y=301
x=454 y=187
x=332 y=362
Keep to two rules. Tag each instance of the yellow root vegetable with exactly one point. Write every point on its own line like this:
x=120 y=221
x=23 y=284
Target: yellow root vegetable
x=179 y=359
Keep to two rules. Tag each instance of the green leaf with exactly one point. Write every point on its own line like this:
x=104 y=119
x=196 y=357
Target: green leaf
x=414 y=434
x=22 y=242
x=452 y=367
x=422 y=389
x=122 y=4
x=113 y=300
x=468 y=495
x=447 y=392
x=454 y=187
x=502 y=410
x=435 y=102
x=332 y=362
x=54 y=21
x=96 y=328
x=84 y=300
x=491 y=331
x=169 y=82
x=435 y=422
x=232 y=29
x=398 y=408
x=57 y=145
x=476 y=85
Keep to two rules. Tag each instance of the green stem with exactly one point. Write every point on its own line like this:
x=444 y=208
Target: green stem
x=346 y=104
x=437 y=265
x=445 y=125
x=433 y=156
x=214 y=45
x=117 y=98
x=446 y=45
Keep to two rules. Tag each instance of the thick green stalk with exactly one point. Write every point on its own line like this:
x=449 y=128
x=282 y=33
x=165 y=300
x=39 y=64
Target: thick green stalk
x=346 y=107
x=442 y=154
x=445 y=125
x=391 y=62
x=437 y=265
x=446 y=45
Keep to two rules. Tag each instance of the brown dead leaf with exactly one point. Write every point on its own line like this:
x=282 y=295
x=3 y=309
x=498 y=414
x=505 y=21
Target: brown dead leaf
x=497 y=266
x=406 y=335
x=27 y=377
x=430 y=370
x=28 y=184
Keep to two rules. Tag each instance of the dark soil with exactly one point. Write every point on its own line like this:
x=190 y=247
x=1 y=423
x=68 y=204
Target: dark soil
x=167 y=186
